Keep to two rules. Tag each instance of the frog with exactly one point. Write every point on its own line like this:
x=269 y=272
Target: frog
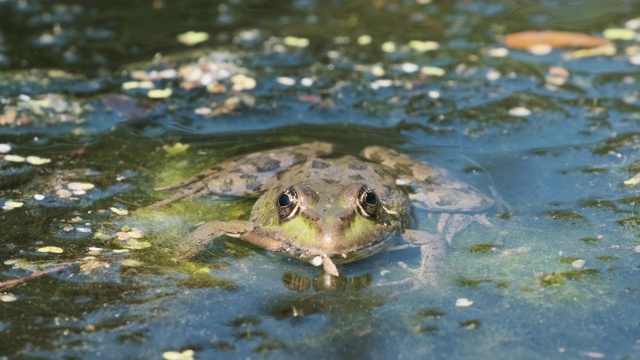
x=329 y=210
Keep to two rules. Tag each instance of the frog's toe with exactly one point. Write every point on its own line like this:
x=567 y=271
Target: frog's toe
x=428 y=273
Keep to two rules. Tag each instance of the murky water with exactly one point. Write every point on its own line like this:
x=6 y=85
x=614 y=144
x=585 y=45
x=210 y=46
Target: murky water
x=100 y=103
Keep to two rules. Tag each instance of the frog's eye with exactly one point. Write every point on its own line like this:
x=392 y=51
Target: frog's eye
x=287 y=204
x=367 y=202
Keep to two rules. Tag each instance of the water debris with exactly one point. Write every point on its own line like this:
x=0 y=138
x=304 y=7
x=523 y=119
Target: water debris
x=36 y=160
x=519 y=112
x=463 y=302
x=10 y=205
x=5 y=148
x=160 y=93
x=64 y=193
x=286 y=81
x=191 y=38
x=432 y=70
x=118 y=211
x=242 y=82
x=131 y=85
x=38 y=197
x=91 y=263
x=132 y=263
x=423 y=46
x=556 y=77
x=377 y=70
x=8 y=298
x=176 y=149
x=579 y=263
x=296 y=41
x=555 y=39
x=389 y=47
x=498 y=52
x=14 y=158
x=605 y=50
x=409 y=68
x=50 y=249
x=619 y=34
x=364 y=40
x=133 y=244
x=175 y=355
x=634 y=180
x=79 y=186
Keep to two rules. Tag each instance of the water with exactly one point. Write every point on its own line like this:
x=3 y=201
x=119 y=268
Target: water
x=555 y=276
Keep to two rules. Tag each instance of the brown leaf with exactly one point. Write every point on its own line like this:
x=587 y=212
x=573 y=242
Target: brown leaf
x=556 y=39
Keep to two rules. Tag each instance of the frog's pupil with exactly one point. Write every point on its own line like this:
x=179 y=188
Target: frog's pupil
x=284 y=200
x=371 y=198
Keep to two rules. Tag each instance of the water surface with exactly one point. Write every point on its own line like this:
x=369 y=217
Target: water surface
x=554 y=277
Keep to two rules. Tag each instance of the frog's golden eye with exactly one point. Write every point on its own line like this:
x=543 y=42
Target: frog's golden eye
x=368 y=202
x=287 y=204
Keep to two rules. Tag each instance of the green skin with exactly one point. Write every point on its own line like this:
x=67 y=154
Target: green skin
x=328 y=223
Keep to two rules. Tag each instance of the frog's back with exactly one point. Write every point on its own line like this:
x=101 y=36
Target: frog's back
x=344 y=170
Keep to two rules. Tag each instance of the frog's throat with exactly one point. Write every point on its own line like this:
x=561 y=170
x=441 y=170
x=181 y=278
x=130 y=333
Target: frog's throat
x=340 y=238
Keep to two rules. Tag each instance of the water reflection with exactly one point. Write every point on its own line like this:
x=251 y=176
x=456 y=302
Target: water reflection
x=325 y=282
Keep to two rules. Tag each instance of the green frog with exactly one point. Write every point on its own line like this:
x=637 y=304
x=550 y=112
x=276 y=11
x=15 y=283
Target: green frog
x=329 y=210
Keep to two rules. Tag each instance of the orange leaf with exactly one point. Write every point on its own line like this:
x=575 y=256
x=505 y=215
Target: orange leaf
x=556 y=39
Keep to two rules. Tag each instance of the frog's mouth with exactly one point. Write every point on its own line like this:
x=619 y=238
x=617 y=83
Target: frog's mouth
x=380 y=244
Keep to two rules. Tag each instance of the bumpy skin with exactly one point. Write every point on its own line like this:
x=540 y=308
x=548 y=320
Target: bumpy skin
x=329 y=221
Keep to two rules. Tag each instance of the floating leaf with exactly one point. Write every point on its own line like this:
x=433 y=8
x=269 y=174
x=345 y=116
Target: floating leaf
x=14 y=158
x=130 y=85
x=555 y=39
x=134 y=244
x=93 y=264
x=80 y=186
x=175 y=355
x=117 y=211
x=160 y=93
x=364 y=40
x=192 y=37
x=296 y=41
x=50 y=249
x=8 y=298
x=13 y=204
x=432 y=70
x=36 y=160
x=619 y=34
x=176 y=149
x=422 y=46
x=101 y=236
x=131 y=263
x=634 y=180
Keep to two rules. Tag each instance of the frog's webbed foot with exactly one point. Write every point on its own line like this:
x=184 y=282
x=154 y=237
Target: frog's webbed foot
x=432 y=260
x=451 y=224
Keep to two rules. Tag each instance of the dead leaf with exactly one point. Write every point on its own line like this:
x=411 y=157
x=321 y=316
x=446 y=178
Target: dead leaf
x=557 y=39
x=93 y=264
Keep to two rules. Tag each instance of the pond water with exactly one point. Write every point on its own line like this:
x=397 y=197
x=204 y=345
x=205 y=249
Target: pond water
x=101 y=102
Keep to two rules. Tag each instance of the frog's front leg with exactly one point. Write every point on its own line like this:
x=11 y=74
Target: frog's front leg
x=451 y=224
x=212 y=230
x=433 y=253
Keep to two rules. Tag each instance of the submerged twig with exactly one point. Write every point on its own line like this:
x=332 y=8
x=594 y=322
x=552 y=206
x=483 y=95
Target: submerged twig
x=11 y=283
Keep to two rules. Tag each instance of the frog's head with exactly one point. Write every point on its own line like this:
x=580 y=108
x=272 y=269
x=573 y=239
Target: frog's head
x=345 y=222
